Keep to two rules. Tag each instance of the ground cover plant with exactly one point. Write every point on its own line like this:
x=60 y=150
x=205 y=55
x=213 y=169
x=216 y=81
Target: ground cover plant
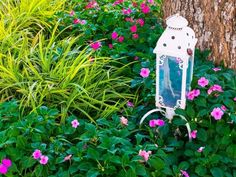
x=75 y=83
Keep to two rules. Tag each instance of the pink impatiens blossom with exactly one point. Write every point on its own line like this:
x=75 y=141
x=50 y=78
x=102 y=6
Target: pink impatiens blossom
x=114 y=35
x=192 y=94
x=43 y=160
x=151 y=1
x=203 y=82
x=135 y=36
x=75 y=123
x=140 y=21
x=110 y=46
x=6 y=162
x=95 y=45
x=72 y=13
x=144 y=154
x=67 y=157
x=91 y=4
x=217 y=113
x=133 y=29
x=223 y=108
x=37 y=154
x=234 y=98
x=127 y=11
x=200 y=149
x=156 y=122
x=117 y=2
x=216 y=69
x=214 y=88
x=121 y=39
x=184 y=173
x=136 y=58
x=144 y=72
x=76 y=21
x=194 y=134
x=130 y=104
x=145 y=8
x=3 y=169
x=123 y=121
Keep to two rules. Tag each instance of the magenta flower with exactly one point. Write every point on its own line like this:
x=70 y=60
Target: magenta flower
x=121 y=39
x=135 y=36
x=123 y=121
x=67 y=157
x=203 y=82
x=140 y=21
x=118 y=2
x=75 y=123
x=6 y=162
x=114 y=35
x=129 y=19
x=156 y=122
x=144 y=72
x=152 y=123
x=145 y=9
x=110 y=46
x=196 y=92
x=72 y=13
x=91 y=4
x=217 y=113
x=76 y=21
x=151 y=1
x=200 y=149
x=95 y=45
x=127 y=11
x=43 y=160
x=184 y=173
x=192 y=94
x=216 y=69
x=214 y=88
x=133 y=29
x=223 y=108
x=136 y=58
x=37 y=154
x=83 y=22
x=130 y=104
x=144 y=154
x=234 y=98
x=3 y=169
x=194 y=134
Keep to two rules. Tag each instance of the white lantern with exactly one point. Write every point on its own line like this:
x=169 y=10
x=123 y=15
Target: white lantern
x=174 y=66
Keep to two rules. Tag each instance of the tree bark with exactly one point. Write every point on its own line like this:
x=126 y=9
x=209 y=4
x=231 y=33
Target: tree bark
x=214 y=22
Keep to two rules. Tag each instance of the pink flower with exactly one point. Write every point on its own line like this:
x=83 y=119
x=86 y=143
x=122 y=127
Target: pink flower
x=184 y=173
x=144 y=72
x=118 y=2
x=123 y=121
x=200 y=149
x=114 y=35
x=72 y=13
x=135 y=36
x=156 y=122
x=91 y=4
x=145 y=9
x=216 y=69
x=133 y=29
x=144 y=154
x=37 y=154
x=151 y=1
x=130 y=104
x=121 y=39
x=196 y=92
x=76 y=21
x=75 y=123
x=234 y=98
x=194 y=134
x=127 y=11
x=67 y=157
x=129 y=19
x=203 y=82
x=43 y=160
x=192 y=94
x=223 y=108
x=6 y=162
x=214 y=88
x=3 y=169
x=110 y=46
x=217 y=113
x=140 y=21
x=96 y=45
x=136 y=58
x=83 y=22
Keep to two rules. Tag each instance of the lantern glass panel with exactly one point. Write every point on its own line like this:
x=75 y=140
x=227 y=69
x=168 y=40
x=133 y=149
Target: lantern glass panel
x=170 y=81
x=189 y=74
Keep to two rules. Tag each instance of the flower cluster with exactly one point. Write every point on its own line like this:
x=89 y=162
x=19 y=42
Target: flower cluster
x=156 y=122
x=6 y=163
x=193 y=94
x=42 y=158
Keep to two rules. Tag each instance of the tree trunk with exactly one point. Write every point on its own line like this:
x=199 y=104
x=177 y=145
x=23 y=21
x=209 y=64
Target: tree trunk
x=214 y=22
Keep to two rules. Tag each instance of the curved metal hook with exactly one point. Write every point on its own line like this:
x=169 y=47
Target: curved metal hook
x=150 y=112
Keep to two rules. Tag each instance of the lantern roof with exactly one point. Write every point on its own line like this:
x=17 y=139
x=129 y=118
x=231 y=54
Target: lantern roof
x=177 y=39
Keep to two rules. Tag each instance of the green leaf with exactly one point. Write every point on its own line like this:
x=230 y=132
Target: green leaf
x=200 y=170
x=93 y=153
x=184 y=165
x=202 y=135
x=217 y=172
x=156 y=163
x=92 y=173
x=178 y=121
